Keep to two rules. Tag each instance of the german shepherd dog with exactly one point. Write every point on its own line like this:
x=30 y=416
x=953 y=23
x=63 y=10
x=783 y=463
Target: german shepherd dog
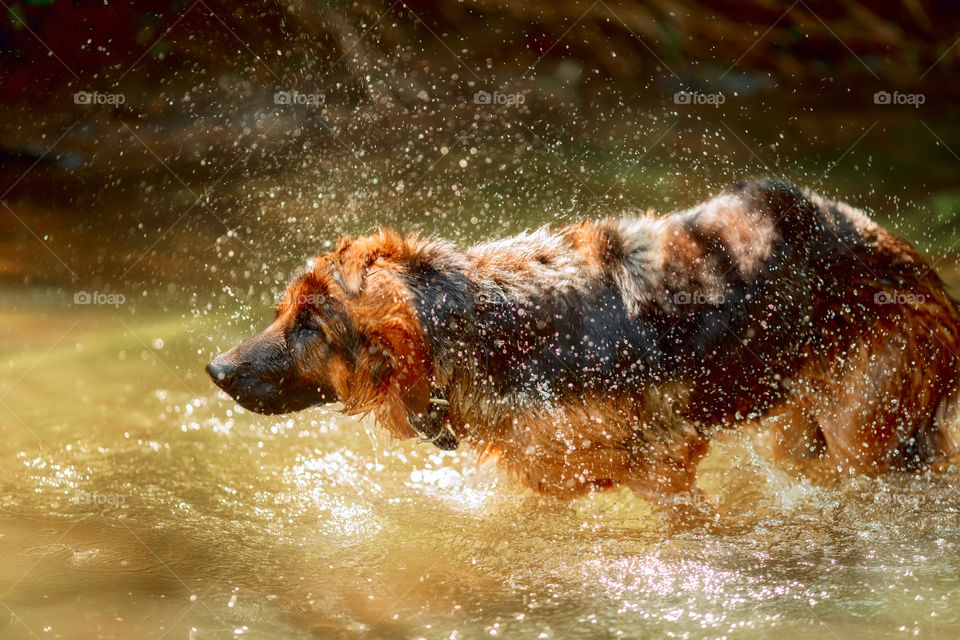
x=606 y=353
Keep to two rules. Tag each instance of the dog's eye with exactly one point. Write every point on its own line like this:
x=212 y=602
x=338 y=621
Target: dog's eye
x=308 y=322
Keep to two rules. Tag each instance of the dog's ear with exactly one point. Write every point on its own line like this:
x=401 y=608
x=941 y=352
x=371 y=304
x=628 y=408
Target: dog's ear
x=395 y=362
x=406 y=391
x=394 y=377
x=355 y=257
x=353 y=260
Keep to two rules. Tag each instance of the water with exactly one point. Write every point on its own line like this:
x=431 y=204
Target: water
x=140 y=503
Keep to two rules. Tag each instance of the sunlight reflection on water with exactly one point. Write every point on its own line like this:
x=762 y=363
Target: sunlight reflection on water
x=319 y=525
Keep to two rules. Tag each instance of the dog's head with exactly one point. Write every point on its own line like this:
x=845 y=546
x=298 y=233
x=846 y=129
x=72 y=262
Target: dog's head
x=346 y=331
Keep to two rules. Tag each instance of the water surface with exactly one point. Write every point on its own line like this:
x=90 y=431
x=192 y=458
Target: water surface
x=138 y=502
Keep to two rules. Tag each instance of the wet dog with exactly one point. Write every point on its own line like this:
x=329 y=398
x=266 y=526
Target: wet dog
x=604 y=354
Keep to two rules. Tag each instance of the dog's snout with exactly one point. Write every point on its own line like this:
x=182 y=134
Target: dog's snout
x=221 y=371
x=262 y=376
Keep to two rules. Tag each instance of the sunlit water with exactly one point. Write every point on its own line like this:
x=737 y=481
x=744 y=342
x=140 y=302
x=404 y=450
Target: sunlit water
x=137 y=502
x=171 y=513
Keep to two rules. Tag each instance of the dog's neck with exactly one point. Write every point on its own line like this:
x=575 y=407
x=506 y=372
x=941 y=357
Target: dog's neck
x=495 y=316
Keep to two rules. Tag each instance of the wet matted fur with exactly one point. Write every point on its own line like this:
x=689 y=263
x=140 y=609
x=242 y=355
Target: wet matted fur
x=605 y=353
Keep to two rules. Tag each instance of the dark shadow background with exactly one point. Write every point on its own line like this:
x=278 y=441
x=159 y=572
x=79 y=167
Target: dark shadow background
x=167 y=175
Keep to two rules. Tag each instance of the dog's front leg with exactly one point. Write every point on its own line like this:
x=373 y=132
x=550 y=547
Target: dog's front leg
x=670 y=484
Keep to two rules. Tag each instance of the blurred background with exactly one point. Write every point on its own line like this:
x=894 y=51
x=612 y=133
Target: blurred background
x=167 y=165
x=134 y=116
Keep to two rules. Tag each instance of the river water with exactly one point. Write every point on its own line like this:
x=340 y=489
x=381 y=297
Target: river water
x=138 y=502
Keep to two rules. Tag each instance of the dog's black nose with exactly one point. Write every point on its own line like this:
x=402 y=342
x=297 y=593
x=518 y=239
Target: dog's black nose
x=221 y=372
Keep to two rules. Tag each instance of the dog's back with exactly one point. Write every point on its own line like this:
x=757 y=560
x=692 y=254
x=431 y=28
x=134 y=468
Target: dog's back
x=765 y=301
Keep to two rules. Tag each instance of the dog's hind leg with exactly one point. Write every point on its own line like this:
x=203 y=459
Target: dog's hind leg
x=795 y=435
x=883 y=404
x=940 y=444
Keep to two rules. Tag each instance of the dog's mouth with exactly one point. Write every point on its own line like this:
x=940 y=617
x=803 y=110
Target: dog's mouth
x=260 y=394
x=264 y=396
x=269 y=401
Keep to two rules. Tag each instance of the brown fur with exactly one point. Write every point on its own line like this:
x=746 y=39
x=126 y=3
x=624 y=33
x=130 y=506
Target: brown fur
x=603 y=354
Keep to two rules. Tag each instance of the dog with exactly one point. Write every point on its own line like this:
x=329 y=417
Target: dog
x=607 y=353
